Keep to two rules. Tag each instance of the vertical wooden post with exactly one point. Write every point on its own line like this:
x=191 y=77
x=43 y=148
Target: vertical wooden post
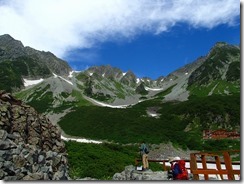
x=164 y=166
x=228 y=165
x=218 y=165
x=193 y=166
x=204 y=166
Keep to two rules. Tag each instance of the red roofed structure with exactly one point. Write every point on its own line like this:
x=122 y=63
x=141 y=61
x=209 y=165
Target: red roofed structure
x=220 y=134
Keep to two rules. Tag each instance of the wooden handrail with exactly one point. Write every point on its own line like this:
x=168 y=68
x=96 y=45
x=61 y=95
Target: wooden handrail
x=229 y=171
x=213 y=171
x=137 y=160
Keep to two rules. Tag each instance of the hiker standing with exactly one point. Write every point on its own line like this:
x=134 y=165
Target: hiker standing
x=144 y=154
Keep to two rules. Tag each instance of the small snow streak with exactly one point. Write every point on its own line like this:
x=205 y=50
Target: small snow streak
x=65 y=80
x=82 y=140
x=153 y=89
x=71 y=74
x=137 y=80
x=55 y=76
x=107 y=105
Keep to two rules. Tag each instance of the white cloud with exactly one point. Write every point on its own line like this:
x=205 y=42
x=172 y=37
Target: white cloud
x=60 y=25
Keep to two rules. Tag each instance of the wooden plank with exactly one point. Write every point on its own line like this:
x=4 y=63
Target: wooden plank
x=186 y=160
x=228 y=165
x=214 y=171
x=193 y=165
x=164 y=166
x=204 y=165
x=218 y=165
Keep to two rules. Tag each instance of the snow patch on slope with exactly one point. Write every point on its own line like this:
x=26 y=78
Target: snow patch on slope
x=32 y=82
x=107 y=105
x=71 y=74
x=55 y=76
x=153 y=89
x=138 y=80
x=82 y=140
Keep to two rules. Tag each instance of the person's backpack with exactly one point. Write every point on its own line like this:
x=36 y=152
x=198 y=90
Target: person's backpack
x=183 y=174
x=146 y=149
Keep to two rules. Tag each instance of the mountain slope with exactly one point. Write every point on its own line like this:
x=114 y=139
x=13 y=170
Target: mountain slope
x=112 y=86
x=169 y=101
x=18 y=62
x=218 y=71
x=181 y=123
x=219 y=74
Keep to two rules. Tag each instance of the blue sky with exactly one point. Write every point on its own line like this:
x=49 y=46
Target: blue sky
x=153 y=56
x=149 y=37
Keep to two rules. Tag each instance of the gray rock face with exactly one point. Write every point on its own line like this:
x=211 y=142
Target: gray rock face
x=30 y=145
x=11 y=49
x=130 y=173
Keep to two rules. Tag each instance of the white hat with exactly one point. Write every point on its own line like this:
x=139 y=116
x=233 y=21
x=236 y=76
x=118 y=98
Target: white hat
x=177 y=158
x=172 y=159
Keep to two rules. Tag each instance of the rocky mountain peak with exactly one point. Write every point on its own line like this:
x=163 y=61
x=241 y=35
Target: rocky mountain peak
x=220 y=44
x=106 y=71
x=222 y=47
x=13 y=49
x=222 y=63
x=18 y=63
x=56 y=65
x=10 y=48
x=6 y=40
x=129 y=78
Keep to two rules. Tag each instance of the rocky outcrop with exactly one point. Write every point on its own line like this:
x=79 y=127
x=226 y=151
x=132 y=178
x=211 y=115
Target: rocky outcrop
x=30 y=145
x=11 y=49
x=18 y=62
x=131 y=173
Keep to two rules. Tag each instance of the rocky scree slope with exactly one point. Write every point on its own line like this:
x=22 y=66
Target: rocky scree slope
x=30 y=145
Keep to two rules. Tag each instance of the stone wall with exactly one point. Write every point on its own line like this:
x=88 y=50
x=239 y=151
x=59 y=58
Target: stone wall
x=30 y=145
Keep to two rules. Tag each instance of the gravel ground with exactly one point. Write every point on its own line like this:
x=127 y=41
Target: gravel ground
x=164 y=151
